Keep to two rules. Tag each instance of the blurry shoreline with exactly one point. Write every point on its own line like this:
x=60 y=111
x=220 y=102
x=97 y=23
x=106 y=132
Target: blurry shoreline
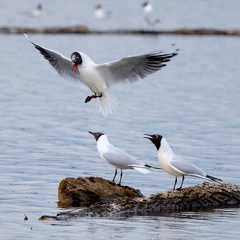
x=81 y=29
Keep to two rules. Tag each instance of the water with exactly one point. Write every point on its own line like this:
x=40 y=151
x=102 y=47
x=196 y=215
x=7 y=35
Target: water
x=193 y=102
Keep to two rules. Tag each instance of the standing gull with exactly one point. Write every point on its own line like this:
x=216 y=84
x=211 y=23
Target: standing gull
x=175 y=165
x=118 y=157
x=100 y=77
x=100 y=13
x=38 y=11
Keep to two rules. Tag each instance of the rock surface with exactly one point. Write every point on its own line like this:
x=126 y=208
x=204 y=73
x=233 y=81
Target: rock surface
x=108 y=199
x=86 y=191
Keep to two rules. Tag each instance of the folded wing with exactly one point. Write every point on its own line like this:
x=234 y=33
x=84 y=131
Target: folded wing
x=121 y=159
x=187 y=168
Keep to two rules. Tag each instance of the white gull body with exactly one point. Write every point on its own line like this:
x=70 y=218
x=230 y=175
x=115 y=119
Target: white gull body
x=100 y=13
x=117 y=157
x=38 y=12
x=150 y=18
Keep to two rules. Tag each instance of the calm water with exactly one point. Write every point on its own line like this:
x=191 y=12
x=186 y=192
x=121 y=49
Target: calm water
x=193 y=102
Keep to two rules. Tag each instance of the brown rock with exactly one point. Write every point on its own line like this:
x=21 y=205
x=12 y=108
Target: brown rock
x=89 y=190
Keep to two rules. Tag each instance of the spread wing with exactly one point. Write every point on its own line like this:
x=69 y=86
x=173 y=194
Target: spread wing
x=60 y=63
x=134 y=68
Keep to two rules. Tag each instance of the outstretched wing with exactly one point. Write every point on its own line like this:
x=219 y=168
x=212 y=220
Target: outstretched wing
x=132 y=69
x=60 y=63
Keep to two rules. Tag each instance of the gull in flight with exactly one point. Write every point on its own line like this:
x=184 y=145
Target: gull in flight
x=175 y=165
x=80 y=68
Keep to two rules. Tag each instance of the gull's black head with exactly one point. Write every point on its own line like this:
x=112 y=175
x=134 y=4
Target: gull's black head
x=145 y=3
x=97 y=135
x=155 y=138
x=98 y=6
x=39 y=6
x=76 y=59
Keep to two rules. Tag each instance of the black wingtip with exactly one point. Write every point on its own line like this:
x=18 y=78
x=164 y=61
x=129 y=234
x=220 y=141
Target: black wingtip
x=148 y=166
x=214 y=179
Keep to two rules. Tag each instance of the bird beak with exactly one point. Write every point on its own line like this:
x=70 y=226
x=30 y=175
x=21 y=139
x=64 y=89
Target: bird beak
x=75 y=66
x=148 y=136
x=92 y=133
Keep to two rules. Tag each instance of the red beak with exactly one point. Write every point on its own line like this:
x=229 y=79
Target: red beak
x=75 y=66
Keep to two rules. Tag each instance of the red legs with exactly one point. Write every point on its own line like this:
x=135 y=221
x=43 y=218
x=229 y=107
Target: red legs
x=89 y=98
x=114 y=176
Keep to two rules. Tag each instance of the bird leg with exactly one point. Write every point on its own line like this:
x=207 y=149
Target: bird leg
x=89 y=98
x=120 y=178
x=175 y=183
x=181 y=183
x=114 y=176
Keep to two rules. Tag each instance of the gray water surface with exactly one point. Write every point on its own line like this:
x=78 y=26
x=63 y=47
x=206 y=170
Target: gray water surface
x=193 y=102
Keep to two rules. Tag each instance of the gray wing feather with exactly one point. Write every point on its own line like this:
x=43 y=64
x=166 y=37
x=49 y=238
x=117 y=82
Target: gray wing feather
x=120 y=158
x=131 y=69
x=60 y=63
x=182 y=166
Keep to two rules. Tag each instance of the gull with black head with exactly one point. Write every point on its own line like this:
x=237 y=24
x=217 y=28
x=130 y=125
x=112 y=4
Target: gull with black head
x=100 y=77
x=118 y=157
x=175 y=165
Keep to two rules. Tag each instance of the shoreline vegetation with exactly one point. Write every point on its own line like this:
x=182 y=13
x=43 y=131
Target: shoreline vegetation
x=81 y=29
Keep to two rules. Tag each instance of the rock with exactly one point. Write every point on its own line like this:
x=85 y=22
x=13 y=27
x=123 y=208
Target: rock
x=108 y=199
x=89 y=190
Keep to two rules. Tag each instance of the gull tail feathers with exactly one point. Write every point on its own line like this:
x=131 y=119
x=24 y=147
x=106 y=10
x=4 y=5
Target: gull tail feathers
x=107 y=103
x=142 y=170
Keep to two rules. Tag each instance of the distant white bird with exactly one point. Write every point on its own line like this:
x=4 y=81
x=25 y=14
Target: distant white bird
x=100 y=13
x=100 y=77
x=149 y=15
x=118 y=157
x=38 y=11
x=175 y=165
